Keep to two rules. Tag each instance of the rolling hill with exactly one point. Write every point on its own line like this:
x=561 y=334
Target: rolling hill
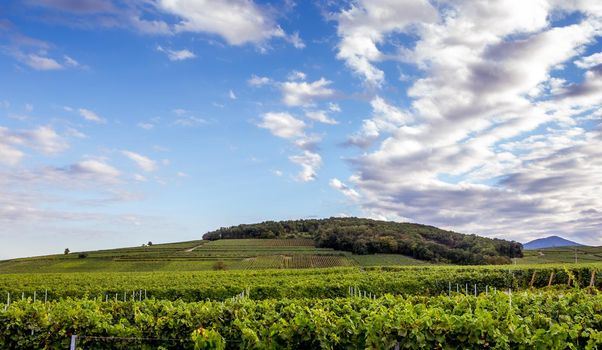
x=366 y=236
x=330 y=242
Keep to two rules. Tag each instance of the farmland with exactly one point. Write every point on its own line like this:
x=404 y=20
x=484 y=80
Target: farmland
x=286 y=293
x=235 y=254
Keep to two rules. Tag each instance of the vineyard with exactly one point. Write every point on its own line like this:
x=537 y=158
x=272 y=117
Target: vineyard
x=498 y=320
x=289 y=294
x=234 y=254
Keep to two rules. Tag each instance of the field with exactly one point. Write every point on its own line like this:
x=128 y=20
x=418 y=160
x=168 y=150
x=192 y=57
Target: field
x=232 y=254
x=277 y=294
x=562 y=255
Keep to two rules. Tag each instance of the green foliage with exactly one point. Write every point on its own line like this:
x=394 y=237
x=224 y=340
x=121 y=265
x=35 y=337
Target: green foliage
x=207 y=339
x=365 y=236
x=534 y=320
x=313 y=283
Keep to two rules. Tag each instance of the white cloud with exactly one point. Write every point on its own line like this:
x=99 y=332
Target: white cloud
x=91 y=116
x=237 y=21
x=143 y=162
x=231 y=95
x=297 y=75
x=190 y=121
x=10 y=155
x=333 y=107
x=177 y=55
x=346 y=190
x=259 y=81
x=309 y=162
x=94 y=169
x=146 y=125
x=296 y=40
x=589 y=61
x=283 y=125
x=364 y=26
x=71 y=62
x=41 y=63
x=321 y=117
x=385 y=118
x=296 y=93
x=43 y=139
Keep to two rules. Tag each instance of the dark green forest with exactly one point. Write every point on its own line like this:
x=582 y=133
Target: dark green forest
x=366 y=236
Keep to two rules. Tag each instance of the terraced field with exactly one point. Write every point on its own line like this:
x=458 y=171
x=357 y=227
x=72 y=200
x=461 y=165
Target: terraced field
x=235 y=254
x=562 y=255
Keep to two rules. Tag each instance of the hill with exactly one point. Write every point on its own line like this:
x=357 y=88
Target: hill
x=550 y=242
x=366 y=236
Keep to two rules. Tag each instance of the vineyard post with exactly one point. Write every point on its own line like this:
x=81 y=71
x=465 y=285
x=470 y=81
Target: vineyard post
x=140 y=296
x=34 y=296
x=124 y=296
x=510 y=296
x=73 y=342
x=22 y=295
x=457 y=288
x=115 y=296
x=7 y=301
x=487 y=289
x=145 y=294
x=45 y=295
x=592 y=281
x=466 y=290
x=133 y=295
x=475 y=290
x=551 y=278
x=532 y=279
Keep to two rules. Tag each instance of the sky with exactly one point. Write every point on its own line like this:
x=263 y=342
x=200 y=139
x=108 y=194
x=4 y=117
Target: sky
x=159 y=120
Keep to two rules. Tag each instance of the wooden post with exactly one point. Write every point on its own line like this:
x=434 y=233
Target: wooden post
x=34 y=296
x=45 y=295
x=73 y=342
x=551 y=279
x=532 y=280
x=592 y=281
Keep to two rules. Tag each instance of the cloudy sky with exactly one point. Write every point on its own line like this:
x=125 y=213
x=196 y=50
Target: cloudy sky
x=162 y=119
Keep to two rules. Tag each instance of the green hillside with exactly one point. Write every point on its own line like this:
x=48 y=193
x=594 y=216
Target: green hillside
x=365 y=236
x=226 y=254
x=562 y=255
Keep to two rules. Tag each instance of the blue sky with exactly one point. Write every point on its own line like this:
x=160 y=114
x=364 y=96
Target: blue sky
x=162 y=119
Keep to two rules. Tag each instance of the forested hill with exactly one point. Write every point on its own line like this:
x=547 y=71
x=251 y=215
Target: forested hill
x=365 y=236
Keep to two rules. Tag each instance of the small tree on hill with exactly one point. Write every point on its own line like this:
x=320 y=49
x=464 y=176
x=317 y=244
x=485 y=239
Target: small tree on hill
x=67 y=251
x=219 y=265
x=150 y=243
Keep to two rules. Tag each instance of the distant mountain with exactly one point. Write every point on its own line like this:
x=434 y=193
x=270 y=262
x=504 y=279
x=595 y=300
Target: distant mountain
x=550 y=242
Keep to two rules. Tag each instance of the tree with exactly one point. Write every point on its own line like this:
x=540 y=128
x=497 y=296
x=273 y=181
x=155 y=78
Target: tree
x=150 y=243
x=219 y=265
x=67 y=251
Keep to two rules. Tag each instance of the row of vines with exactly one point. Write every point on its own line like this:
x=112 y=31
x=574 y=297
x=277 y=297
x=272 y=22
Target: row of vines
x=311 y=283
x=552 y=319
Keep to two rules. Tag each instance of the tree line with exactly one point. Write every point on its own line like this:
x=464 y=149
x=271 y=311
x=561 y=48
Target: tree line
x=366 y=236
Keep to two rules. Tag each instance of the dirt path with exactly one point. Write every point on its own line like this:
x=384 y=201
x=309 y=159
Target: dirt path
x=193 y=248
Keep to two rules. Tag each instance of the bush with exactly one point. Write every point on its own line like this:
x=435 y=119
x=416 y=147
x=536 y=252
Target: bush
x=219 y=265
x=82 y=255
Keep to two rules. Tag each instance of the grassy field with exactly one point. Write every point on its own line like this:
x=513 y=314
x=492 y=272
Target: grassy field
x=562 y=255
x=239 y=254
x=247 y=254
